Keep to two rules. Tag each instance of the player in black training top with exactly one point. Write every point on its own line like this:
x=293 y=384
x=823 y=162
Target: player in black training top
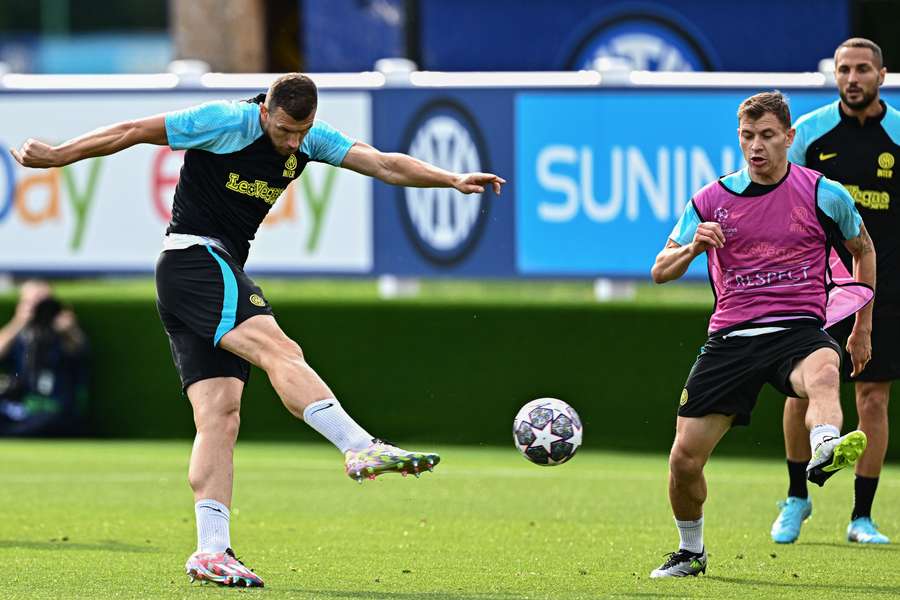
x=240 y=157
x=856 y=141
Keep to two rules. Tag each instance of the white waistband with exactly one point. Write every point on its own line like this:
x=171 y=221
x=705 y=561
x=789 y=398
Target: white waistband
x=180 y=241
x=753 y=331
x=764 y=325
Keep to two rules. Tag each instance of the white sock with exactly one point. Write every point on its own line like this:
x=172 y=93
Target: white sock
x=212 y=526
x=691 y=533
x=818 y=434
x=330 y=419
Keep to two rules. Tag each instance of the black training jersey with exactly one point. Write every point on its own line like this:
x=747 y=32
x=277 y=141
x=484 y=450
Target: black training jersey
x=862 y=158
x=232 y=174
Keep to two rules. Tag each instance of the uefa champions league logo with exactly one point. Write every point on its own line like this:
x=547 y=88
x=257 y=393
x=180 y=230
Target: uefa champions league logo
x=721 y=215
x=443 y=223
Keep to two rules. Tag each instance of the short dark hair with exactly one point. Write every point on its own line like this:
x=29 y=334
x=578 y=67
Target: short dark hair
x=756 y=106
x=859 y=42
x=295 y=94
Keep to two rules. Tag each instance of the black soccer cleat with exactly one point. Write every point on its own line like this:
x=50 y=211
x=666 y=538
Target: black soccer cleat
x=683 y=563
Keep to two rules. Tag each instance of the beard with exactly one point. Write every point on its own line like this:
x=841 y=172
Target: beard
x=866 y=99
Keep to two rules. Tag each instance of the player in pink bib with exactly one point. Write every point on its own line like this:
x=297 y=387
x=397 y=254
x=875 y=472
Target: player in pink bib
x=767 y=231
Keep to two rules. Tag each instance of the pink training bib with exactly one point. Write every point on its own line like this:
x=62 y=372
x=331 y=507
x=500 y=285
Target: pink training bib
x=774 y=262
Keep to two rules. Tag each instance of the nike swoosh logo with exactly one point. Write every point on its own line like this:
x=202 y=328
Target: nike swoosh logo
x=321 y=408
x=823 y=157
x=213 y=508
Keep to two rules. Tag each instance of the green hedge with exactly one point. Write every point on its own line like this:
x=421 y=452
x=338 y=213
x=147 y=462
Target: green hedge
x=448 y=374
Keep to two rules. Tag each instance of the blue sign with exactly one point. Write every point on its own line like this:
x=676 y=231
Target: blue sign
x=603 y=177
x=549 y=34
x=439 y=231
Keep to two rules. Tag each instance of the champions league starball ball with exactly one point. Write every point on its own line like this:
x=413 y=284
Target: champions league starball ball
x=547 y=431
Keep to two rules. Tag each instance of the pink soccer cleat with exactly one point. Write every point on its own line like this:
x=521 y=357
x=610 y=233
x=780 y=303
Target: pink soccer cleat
x=381 y=457
x=222 y=568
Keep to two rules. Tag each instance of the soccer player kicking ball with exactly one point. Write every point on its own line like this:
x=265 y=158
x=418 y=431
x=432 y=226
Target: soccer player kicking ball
x=854 y=140
x=240 y=157
x=766 y=231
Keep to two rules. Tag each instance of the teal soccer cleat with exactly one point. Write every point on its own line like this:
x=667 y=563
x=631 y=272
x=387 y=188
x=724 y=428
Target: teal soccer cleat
x=794 y=511
x=864 y=531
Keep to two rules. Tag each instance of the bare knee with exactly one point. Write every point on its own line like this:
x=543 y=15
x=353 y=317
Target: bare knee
x=685 y=465
x=282 y=353
x=826 y=377
x=222 y=421
x=871 y=404
x=217 y=412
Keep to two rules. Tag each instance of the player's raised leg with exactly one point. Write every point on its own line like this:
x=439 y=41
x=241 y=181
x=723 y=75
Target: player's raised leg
x=695 y=439
x=216 y=403
x=817 y=378
x=797 y=507
x=872 y=407
x=261 y=341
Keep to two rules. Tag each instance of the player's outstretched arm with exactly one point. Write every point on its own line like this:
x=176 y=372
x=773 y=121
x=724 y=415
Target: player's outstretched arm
x=99 y=142
x=859 y=344
x=673 y=261
x=401 y=169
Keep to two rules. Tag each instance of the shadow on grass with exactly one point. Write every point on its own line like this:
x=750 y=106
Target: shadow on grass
x=853 y=547
x=856 y=590
x=637 y=595
x=383 y=595
x=371 y=595
x=55 y=546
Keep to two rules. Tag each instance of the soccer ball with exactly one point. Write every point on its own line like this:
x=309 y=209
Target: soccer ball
x=547 y=431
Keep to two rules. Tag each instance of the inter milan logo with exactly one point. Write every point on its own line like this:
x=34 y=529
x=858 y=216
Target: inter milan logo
x=257 y=300
x=885 y=165
x=290 y=167
x=444 y=224
x=799 y=217
x=644 y=43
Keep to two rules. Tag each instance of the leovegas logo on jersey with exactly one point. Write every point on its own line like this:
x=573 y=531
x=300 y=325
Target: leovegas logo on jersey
x=871 y=199
x=255 y=189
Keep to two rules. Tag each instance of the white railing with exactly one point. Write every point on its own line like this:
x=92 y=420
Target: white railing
x=427 y=79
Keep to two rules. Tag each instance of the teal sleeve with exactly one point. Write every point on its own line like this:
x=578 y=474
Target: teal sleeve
x=326 y=144
x=220 y=127
x=810 y=127
x=836 y=202
x=797 y=151
x=686 y=227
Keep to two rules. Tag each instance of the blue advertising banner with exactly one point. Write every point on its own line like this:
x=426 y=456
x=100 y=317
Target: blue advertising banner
x=602 y=182
x=680 y=35
x=602 y=177
x=421 y=231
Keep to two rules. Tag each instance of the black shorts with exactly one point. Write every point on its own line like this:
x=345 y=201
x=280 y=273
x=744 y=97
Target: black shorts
x=202 y=294
x=730 y=371
x=885 y=363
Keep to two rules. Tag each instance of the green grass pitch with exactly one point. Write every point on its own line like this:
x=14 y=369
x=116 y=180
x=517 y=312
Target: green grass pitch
x=100 y=519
